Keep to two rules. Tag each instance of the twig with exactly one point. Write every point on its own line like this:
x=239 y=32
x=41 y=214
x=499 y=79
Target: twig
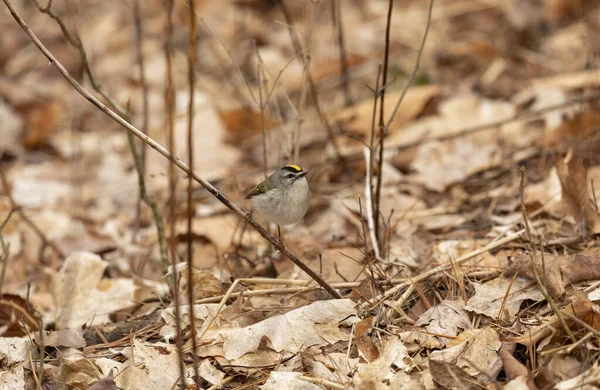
x=170 y=125
x=14 y=205
x=531 y=251
x=165 y=153
x=75 y=41
x=311 y=84
x=158 y=220
x=386 y=58
x=415 y=69
x=262 y=113
x=139 y=34
x=322 y=382
x=336 y=16
x=192 y=53
x=369 y=204
x=384 y=130
x=5 y=249
x=444 y=267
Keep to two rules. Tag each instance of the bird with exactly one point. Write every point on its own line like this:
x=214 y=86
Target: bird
x=282 y=198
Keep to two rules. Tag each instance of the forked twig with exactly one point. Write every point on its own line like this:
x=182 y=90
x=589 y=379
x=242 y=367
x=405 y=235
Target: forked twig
x=165 y=153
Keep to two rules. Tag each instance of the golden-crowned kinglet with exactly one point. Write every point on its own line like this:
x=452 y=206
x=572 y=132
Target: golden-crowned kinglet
x=283 y=198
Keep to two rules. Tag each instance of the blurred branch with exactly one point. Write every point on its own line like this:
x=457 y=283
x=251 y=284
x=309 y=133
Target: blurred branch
x=15 y=206
x=170 y=126
x=383 y=129
x=336 y=16
x=192 y=53
x=139 y=34
x=311 y=83
x=5 y=249
x=75 y=41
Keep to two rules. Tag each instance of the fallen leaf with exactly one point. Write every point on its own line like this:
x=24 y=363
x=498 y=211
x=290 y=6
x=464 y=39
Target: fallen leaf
x=445 y=318
x=391 y=359
x=475 y=351
x=450 y=376
x=366 y=349
x=358 y=118
x=82 y=295
x=441 y=164
x=156 y=367
x=63 y=338
x=315 y=324
x=561 y=270
x=209 y=373
x=490 y=297
x=587 y=380
x=107 y=383
x=581 y=308
x=287 y=380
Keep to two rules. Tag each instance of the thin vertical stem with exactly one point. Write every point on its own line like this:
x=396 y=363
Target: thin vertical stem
x=386 y=58
x=192 y=54
x=170 y=125
x=336 y=16
x=139 y=33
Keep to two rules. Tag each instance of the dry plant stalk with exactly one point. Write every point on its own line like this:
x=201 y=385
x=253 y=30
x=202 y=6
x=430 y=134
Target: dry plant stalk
x=383 y=125
x=192 y=54
x=311 y=83
x=165 y=153
x=170 y=125
x=139 y=34
x=531 y=251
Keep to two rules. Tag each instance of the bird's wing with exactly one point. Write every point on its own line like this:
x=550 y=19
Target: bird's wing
x=259 y=189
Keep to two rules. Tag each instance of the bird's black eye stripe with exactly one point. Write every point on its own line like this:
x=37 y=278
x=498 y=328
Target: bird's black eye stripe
x=290 y=175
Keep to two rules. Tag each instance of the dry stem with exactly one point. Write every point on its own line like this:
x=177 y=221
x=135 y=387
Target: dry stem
x=192 y=54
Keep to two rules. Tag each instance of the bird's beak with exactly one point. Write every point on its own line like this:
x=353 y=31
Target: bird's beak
x=302 y=174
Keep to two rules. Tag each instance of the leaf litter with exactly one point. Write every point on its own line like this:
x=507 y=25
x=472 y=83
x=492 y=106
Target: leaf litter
x=444 y=293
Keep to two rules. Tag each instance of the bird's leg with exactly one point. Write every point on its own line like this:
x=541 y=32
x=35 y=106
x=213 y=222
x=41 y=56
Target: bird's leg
x=279 y=237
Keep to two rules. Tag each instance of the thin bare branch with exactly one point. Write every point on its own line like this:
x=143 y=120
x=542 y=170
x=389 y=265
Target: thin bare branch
x=192 y=54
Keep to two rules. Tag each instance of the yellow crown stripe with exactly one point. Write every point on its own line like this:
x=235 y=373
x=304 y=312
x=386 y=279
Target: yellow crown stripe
x=295 y=167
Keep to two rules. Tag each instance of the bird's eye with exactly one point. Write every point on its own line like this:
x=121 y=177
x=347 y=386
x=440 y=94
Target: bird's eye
x=290 y=176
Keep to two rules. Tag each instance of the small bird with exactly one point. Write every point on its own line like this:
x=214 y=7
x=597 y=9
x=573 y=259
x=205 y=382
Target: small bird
x=282 y=198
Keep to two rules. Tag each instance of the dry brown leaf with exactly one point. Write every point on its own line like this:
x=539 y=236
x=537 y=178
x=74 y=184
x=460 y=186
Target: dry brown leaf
x=315 y=324
x=445 y=318
x=366 y=349
x=107 y=383
x=14 y=314
x=561 y=270
x=374 y=374
x=581 y=308
x=244 y=122
x=587 y=380
x=573 y=177
x=287 y=380
x=474 y=350
x=156 y=367
x=450 y=376
x=512 y=367
x=82 y=295
x=491 y=296
x=358 y=118
x=72 y=338
x=42 y=120
x=441 y=164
